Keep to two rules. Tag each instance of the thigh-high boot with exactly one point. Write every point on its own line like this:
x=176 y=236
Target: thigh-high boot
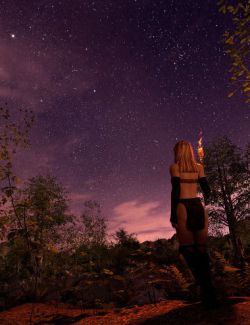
x=203 y=271
x=190 y=256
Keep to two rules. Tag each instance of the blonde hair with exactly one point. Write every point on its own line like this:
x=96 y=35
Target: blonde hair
x=184 y=157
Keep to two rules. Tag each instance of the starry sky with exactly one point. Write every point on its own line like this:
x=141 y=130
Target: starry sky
x=114 y=85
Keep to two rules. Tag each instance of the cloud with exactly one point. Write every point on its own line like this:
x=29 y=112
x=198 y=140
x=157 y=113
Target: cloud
x=33 y=161
x=31 y=78
x=143 y=218
x=78 y=196
x=76 y=203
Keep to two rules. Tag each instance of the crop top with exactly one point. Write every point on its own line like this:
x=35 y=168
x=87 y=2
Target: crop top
x=175 y=193
x=189 y=180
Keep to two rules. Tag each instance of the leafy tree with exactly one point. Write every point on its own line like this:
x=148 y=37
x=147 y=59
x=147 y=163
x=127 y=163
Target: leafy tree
x=13 y=134
x=247 y=157
x=227 y=175
x=94 y=224
x=125 y=251
x=40 y=208
x=237 y=41
x=124 y=239
x=89 y=246
x=44 y=208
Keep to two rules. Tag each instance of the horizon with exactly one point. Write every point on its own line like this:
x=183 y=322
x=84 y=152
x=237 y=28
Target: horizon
x=114 y=85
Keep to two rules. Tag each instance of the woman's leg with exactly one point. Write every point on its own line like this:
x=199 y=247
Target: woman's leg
x=185 y=238
x=200 y=236
x=203 y=266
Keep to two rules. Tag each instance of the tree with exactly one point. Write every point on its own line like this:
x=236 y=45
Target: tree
x=94 y=224
x=227 y=175
x=38 y=209
x=247 y=158
x=35 y=217
x=237 y=44
x=12 y=136
x=44 y=205
x=124 y=239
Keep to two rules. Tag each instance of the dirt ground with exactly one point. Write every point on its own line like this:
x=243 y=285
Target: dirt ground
x=234 y=310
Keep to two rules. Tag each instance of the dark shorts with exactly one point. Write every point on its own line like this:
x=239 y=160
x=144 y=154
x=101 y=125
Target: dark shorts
x=195 y=213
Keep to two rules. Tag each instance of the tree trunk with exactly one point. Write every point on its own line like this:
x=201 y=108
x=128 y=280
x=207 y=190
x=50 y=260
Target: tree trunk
x=238 y=259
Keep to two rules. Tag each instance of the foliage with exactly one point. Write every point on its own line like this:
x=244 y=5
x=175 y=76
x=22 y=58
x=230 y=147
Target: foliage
x=245 y=281
x=12 y=136
x=227 y=175
x=124 y=239
x=95 y=228
x=177 y=277
x=48 y=254
x=45 y=208
x=237 y=43
x=220 y=263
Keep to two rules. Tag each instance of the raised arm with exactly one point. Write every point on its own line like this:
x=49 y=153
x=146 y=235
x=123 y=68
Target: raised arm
x=201 y=171
x=204 y=184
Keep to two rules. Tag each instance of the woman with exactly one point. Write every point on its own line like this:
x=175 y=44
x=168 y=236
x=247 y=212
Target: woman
x=190 y=218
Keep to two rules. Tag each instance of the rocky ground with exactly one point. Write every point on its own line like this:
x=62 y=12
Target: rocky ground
x=234 y=310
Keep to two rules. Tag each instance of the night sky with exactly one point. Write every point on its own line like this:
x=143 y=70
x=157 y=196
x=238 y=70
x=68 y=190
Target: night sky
x=114 y=85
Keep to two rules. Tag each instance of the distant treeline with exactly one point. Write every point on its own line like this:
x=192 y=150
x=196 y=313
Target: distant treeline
x=45 y=255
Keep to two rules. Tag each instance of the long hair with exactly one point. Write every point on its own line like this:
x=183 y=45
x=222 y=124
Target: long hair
x=184 y=157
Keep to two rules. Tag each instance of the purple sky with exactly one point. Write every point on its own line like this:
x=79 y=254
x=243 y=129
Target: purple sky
x=114 y=85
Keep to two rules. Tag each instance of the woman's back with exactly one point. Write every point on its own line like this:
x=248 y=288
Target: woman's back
x=188 y=180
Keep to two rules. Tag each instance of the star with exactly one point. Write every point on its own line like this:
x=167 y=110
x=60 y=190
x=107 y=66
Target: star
x=160 y=78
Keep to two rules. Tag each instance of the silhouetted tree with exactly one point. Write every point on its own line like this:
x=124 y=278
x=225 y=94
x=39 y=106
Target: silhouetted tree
x=227 y=175
x=124 y=239
x=13 y=135
x=94 y=224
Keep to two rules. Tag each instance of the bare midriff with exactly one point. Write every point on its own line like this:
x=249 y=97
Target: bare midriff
x=188 y=190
